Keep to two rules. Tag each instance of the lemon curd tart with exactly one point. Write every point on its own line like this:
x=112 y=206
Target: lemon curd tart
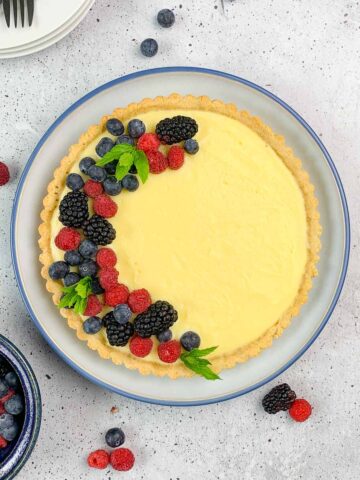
x=230 y=240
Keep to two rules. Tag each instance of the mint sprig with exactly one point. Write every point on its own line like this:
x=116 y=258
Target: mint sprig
x=194 y=361
x=126 y=156
x=76 y=295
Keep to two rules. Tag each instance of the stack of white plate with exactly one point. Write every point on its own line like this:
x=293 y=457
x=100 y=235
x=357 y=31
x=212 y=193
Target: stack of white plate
x=53 y=20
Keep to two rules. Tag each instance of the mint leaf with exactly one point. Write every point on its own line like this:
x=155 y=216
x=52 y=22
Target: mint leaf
x=127 y=159
x=194 y=362
x=115 y=153
x=121 y=171
x=201 y=353
x=76 y=295
x=142 y=165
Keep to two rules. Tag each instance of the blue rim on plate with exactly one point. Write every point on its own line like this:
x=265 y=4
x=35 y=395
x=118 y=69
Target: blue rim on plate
x=289 y=110
x=25 y=444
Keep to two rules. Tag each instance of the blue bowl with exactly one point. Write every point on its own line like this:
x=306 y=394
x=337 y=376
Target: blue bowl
x=14 y=457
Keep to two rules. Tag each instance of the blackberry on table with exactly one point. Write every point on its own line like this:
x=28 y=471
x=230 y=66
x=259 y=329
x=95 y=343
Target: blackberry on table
x=176 y=129
x=74 y=209
x=279 y=398
x=119 y=334
x=99 y=230
x=158 y=317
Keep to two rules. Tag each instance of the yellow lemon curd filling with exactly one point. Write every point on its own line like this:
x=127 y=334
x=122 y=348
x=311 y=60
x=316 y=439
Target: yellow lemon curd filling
x=223 y=239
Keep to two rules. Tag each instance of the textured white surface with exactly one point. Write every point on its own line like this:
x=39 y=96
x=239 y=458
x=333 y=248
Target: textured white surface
x=305 y=52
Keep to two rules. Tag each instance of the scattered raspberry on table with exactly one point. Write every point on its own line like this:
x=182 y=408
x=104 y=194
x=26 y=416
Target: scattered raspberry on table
x=4 y=174
x=300 y=410
x=98 y=459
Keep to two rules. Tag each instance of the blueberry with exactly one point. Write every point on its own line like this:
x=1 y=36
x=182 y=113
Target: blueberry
x=14 y=405
x=3 y=388
x=71 y=278
x=104 y=146
x=87 y=248
x=12 y=380
x=136 y=128
x=122 y=313
x=85 y=164
x=115 y=127
x=92 y=325
x=191 y=146
x=112 y=186
x=164 y=336
x=190 y=340
x=166 y=18
x=6 y=420
x=115 y=437
x=96 y=288
x=88 y=268
x=125 y=139
x=98 y=174
x=133 y=170
x=10 y=433
x=58 y=270
x=149 y=47
x=75 y=182
x=111 y=167
x=73 y=258
x=130 y=183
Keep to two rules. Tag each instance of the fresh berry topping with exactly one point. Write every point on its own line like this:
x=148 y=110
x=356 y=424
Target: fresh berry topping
x=108 y=318
x=166 y=18
x=148 y=142
x=92 y=325
x=176 y=129
x=73 y=258
x=67 y=239
x=57 y=271
x=98 y=174
x=191 y=146
x=74 y=209
x=71 y=278
x=117 y=294
x=125 y=139
x=115 y=437
x=115 y=127
x=149 y=47
x=158 y=317
x=11 y=432
x=10 y=393
x=130 y=183
x=105 y=206
x=136 y=128
x=99 y=230
x=279 y=398
x=4 y=174
x=99 y=459
x=140 y=347
x=111 y=167
x=93 y=189
x=14 y=405
x=3 y=442
x=103 y=147
x=176 y=157
x=112 y=186
x=190 y=340
x=169 y=352
x=2 y=409
x=122 y=459
x=93 y=306
x=122 y=313
x=300 y=410
x=88 y=268
x=106 y=257
x=96 y=288
x=139 y=300
x=164 y=336
x=75 y=182
x=11 y=380
x=157 y=162
x=4 y=388
x=108 y=277
x=118 y=334
x=87 y=248
x=85 y=164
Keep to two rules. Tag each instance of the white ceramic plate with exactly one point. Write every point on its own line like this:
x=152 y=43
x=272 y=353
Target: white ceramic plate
x=41 y=40
x=334 y=218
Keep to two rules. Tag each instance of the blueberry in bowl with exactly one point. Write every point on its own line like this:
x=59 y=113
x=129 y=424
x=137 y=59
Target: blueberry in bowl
x=20 y=410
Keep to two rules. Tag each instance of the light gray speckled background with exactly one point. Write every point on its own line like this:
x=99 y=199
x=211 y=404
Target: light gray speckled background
x=307 y=52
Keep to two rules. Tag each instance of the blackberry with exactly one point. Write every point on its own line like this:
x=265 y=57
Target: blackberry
x=96 y=288
x=108 y=318
x=158 y=317
x=74 y=209
x=99 y=230
x=119 y=334
x=176 y=129
x=279 y=398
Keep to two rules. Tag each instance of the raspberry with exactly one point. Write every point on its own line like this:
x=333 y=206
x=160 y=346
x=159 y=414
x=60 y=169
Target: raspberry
x=108 y=277
x=7 y=397
x=139 y=300
x=93 y=189
x=116 y=295
x=67 y=239
x=4 y=174
x=157 y=162
x=104 y=206
x=93 y=306
x=122 y=459
x=169 y=352
x=98 y=459
x=148 y=142
x=176 y=157
x=3 y=442
x=140 y=347
x=2 y=409
x=300 y=410
x=106 y=257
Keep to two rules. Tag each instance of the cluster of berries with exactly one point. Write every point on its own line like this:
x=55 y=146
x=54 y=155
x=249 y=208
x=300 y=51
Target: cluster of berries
x=283 y=398
x=121 y=459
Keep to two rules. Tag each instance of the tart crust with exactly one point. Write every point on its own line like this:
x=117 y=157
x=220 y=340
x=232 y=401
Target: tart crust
x=277 y=142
